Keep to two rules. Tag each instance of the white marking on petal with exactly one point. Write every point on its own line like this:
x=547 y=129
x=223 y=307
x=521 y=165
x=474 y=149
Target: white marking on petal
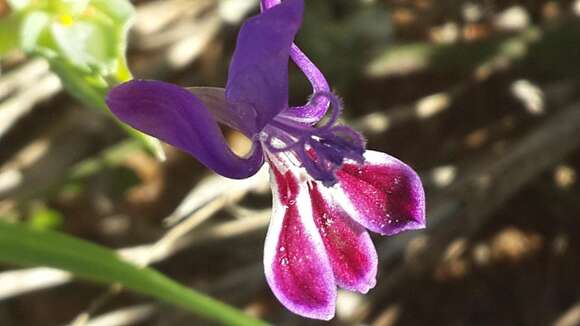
x=304 y=207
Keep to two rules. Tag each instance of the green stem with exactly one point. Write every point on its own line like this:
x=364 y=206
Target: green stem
x=91 y=91
x=20 y=245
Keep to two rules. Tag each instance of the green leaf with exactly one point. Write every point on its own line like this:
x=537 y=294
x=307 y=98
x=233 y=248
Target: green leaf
x=74 y=7
x=23 y=246
x=33 y=25
x=85 y=45
x=86 y=87
x=44 y=218
x=9 y=27
x=121 y=11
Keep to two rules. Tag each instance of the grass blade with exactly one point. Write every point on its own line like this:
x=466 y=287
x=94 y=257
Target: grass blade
x=20 y=245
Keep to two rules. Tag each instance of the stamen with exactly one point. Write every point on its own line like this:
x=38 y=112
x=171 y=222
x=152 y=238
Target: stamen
x=321 y=150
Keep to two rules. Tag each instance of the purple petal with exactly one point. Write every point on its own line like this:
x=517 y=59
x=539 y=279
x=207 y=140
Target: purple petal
x=384 y=194
x=315 y=109
x=257 y=84
x=349 y=246
x=295 y=261
x=267 y=4
x=172 y=114
x=215 y=101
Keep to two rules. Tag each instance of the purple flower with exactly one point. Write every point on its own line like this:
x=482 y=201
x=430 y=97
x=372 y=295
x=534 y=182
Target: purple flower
x=327 y=189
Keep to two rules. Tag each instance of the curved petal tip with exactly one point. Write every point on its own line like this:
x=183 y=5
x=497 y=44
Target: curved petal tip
x=384 y=194
x=296 y=265
x=257 y=83
x=175 y=116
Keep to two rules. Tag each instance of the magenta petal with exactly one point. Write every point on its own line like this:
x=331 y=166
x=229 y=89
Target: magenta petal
x=384 y=194
x=257 y=84
x=295 y=261
x=349 y=246
x=175 y=116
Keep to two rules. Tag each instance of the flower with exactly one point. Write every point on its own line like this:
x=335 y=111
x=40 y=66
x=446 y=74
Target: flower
x=327 y=189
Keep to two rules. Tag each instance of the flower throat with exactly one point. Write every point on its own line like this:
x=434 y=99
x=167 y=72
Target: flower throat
x=322 y=149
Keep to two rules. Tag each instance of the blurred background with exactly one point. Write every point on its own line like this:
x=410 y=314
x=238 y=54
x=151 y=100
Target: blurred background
x=482 y=98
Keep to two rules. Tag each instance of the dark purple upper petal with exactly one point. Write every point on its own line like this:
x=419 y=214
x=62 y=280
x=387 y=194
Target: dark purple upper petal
x=257 y=84
x=214 y=100
x=315 y=109
x=175 y=116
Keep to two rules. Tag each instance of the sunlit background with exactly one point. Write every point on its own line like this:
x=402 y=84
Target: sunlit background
x=482 y=98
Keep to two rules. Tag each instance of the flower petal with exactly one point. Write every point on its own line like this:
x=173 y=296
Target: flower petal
x=214 y=99
x=349 y=246
x=384 y=194
x=315 y=109
x=317 y=106
x=295 y=261
x=267 y=4
x=257 y=84
x=172 y=114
